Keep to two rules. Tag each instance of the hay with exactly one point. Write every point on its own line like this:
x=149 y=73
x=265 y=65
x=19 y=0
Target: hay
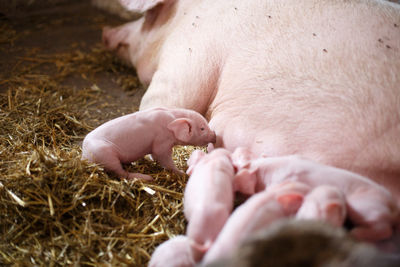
x=54 y=208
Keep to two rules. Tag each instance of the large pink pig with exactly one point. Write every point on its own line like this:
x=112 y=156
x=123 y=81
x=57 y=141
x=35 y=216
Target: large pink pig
x=156 y=131
x=318 y=78
x=209 y=193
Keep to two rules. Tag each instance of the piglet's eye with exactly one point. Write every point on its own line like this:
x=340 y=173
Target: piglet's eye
x=202 y=129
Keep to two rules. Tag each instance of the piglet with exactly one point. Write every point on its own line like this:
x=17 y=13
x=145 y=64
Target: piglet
x=370 y=207
x=208 y=198
x=153 y=131
x=257 y=213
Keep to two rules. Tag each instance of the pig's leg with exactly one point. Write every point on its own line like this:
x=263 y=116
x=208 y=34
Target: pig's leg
x=163 y=154
x=373 y=219
x=133 y=175
x=113 y=164
x=325 y=203
x=106 y=155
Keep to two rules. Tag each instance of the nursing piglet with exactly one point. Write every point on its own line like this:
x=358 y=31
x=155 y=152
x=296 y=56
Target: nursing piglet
x=153 y=131
x=257 y=213
x=208 y=199
x=370 y=207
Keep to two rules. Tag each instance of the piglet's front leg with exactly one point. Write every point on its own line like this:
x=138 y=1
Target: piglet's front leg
x=163 y=154
x=325 y=203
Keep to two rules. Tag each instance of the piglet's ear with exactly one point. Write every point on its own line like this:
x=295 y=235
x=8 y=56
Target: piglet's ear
x=140 y=6
x=182 y=129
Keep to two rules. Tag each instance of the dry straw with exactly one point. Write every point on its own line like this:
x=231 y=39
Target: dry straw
x=56 y=209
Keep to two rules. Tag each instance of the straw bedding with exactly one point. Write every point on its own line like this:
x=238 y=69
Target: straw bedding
x=56 y=209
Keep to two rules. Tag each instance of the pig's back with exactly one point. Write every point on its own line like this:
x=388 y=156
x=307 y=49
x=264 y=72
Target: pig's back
x=318 y=78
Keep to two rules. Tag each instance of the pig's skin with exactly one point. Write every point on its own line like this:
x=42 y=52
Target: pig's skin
x=208 y=198
x=325 y=203
x=370 y=206
x=175 y=252
x=316 y=78
x=256 y=213
x=156 y=131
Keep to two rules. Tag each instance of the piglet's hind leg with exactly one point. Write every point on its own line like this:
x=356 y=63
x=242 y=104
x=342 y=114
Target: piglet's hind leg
x=104 y=154
x=113 y=164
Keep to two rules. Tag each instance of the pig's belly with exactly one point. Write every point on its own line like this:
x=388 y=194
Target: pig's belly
x=331 y=133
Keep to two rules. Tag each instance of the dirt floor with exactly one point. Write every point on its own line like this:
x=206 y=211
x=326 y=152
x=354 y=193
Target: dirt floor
x=56 y=84
x=64 y=28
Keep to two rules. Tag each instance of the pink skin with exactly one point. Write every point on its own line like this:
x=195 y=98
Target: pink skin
x=370 y=206
x=256 y=213
x=176 y=252
x=326 y=203
x=209 y=195
x=154 y=131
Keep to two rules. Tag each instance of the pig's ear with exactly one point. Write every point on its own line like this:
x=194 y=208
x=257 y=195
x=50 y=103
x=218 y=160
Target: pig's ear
x=141 y=6
x=196 y=156
x=182 y=129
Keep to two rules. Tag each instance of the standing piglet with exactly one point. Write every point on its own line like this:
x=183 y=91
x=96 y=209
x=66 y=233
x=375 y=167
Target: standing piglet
x=208 y=199
x=154 y=131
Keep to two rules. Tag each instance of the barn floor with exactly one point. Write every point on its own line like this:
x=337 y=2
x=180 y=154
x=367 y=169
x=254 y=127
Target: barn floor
x=56 y=84
x=62 y=29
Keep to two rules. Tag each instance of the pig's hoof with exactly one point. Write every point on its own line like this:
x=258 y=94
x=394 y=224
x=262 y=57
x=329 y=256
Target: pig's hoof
x=140 y=176
x=179 y=172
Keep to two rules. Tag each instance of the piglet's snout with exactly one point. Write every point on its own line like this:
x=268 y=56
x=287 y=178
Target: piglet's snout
x=106 y=36
x=213 y=138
